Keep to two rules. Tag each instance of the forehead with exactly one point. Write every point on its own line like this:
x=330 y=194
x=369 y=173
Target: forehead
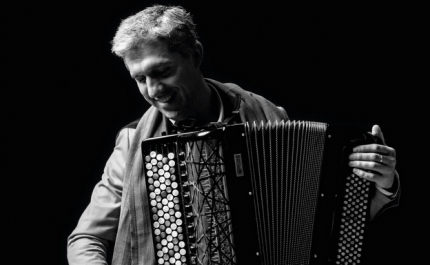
x=148 y=56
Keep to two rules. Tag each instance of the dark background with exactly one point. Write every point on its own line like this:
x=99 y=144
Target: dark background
x=67 y=96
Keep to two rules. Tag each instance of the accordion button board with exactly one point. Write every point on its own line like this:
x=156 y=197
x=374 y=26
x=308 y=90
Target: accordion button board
x=268 y=193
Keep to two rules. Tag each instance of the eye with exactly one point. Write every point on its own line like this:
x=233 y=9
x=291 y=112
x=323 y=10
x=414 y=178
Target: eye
x=166 y=73
x=141 y=79
x=163 y=73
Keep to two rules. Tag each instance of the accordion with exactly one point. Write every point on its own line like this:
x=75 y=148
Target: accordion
x=268 y=193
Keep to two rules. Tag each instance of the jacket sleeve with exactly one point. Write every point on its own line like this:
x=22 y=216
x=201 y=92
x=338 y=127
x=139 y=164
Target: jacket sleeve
x=380 y=202
x=98 y=224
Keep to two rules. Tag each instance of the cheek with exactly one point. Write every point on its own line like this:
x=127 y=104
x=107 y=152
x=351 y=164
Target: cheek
x=143 y=90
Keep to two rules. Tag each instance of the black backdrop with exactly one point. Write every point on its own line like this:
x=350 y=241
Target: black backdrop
x=67 y=96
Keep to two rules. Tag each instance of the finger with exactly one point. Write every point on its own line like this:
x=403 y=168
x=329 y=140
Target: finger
x=376 y=131
x=374 y=148
x=367 y=165
x=367 y=157
x=371 y=176
x=382 y=159
x=380 y=180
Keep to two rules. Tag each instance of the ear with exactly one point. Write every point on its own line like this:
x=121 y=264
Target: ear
x=198 y=54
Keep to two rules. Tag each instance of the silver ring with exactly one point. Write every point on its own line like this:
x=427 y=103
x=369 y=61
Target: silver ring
x=382 y=159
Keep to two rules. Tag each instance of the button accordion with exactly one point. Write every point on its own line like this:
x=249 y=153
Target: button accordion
x=268 y=193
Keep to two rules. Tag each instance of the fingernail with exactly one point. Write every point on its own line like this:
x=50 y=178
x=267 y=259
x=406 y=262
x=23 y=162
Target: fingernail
x=351 y=156
x=351 y=163
x=355 y=149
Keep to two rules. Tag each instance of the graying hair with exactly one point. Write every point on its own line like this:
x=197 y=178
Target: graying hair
x=171 y=24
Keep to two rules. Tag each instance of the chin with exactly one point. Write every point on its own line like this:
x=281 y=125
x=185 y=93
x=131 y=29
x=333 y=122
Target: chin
x=174 y=116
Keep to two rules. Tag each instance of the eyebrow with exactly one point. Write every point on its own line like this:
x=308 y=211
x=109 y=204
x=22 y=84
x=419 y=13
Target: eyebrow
x=156 y=67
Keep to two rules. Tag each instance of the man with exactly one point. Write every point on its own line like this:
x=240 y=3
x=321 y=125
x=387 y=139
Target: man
x=160 y=49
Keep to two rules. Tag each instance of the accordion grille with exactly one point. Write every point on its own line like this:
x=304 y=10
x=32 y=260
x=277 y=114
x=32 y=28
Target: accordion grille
x=286 y=161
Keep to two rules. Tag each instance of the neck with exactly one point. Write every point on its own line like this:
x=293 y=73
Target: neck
x=207 y=110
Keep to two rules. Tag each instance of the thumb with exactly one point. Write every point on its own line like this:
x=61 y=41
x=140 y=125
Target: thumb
x=376 y=131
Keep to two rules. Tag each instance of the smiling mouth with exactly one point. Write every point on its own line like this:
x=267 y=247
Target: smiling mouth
x=165 y=99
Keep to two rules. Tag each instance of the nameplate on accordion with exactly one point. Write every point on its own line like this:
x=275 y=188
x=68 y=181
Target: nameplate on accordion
x=268 y=193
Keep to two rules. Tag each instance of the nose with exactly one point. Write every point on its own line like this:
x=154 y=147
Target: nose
x=154 y=87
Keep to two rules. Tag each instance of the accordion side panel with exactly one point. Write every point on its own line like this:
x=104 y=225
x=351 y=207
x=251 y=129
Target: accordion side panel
x=343 y=203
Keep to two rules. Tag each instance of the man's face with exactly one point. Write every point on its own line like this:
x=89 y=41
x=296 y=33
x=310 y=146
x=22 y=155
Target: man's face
x=167 y=80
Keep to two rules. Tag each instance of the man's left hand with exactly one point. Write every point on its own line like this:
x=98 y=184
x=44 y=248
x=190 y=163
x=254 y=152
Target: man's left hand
x=375 y=162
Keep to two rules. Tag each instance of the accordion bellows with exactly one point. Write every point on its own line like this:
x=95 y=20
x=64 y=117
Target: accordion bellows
x=269 y=193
